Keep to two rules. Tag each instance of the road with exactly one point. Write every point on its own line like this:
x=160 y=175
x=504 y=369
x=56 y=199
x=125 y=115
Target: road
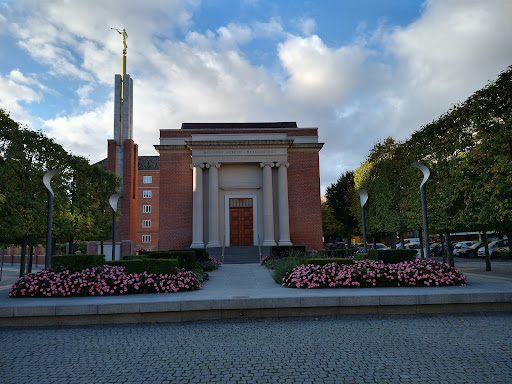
x=472 y=348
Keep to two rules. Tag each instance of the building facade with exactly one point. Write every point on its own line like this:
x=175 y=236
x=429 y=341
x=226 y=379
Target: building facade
x=216 y=184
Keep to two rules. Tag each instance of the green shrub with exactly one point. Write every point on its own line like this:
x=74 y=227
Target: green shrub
x=392 y=256
x=284 y=266
x=186 y=258
x=208 y=266
x=135 y=257
x=156 y=266
x=339 y=253
x=364 y=256
x=201 y=275
x=323 y=261
x=282 y=251
x=76 y=263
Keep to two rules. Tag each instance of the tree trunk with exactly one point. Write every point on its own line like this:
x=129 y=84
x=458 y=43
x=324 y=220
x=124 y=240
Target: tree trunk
x=71 y=246
x=101 y=247
x=23 y=254
x=402 y=239
x=451 y=261
x=30 y=258
x=393 y=241
x=443 y=248
x=486 y=247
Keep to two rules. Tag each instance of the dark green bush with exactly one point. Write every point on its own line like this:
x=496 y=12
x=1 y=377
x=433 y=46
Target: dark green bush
x=364 y=256
x=135 y=257
x=201 y=275
x=282 y=251
x=201 y=253
x=75 y=263
x=208 y=266
x=392 y=256
x=343 y=253
x=156 y=266
x=186 y=258
x=323 y=261
x=284 y=266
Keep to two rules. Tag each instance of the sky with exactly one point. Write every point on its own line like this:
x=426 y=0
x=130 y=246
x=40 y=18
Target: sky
x=359 y=70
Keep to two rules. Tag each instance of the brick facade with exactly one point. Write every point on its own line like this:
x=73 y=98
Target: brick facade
x=153 y=204
x=304 y=199
x=175 y=201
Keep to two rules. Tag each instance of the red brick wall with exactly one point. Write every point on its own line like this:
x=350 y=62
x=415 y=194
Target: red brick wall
x=155 y=211
x=304 y=199
x=175 y=201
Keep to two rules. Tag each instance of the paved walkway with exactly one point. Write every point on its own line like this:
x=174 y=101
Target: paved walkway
x=397 y=349
x=247 y=290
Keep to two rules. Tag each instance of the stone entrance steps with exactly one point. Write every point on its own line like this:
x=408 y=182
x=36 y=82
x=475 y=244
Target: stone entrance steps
x=239 y=255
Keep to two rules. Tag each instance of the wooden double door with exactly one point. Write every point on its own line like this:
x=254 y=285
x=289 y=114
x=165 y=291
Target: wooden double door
x=241 y=222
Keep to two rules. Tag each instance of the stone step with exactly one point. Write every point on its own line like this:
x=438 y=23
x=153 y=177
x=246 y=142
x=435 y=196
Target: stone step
x=238 y=255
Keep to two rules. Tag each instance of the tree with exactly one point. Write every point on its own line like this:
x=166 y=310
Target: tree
x=339 y=200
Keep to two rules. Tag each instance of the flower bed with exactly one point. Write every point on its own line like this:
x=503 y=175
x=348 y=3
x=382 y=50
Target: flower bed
x=370 y=273
x=101 y=281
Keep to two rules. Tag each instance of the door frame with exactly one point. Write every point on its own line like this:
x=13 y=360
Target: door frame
x=254 y=216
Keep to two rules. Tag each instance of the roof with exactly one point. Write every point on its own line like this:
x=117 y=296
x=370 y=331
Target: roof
x=273 y=125
x=149 y=163
x=145 y=163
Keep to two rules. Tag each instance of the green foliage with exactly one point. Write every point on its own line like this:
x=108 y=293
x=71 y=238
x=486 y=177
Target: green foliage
x=201 y=274
x=208 y=266
x=156 y=266
x=336 y=260
x=284 y=266
x=76 y=263
x=364 y=256
x=201 y=253
x=283 y=251
x=392 y=256
x=339 y=219
x=344 y=253
x=186 y=258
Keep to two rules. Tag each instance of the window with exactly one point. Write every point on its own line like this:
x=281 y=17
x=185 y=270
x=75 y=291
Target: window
x=147 y=194
x=146 y=238
x=146 y=209
x=147 y=179
x=146 y=223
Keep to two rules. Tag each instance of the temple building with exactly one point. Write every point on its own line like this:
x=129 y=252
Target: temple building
x=216 y=184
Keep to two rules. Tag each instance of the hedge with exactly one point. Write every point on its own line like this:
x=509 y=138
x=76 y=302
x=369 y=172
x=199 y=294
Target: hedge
x=343 y=253
x=156 y=266
x=392 y=256
x=281 y=251
x=76 y=263
x=186 y=258
x=324 y=261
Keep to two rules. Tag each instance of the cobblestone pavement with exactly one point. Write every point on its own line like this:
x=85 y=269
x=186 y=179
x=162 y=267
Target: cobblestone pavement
x=472 y=348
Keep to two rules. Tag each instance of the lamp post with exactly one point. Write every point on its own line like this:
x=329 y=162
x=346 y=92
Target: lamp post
x=363 y=196
x=46 y=181
x=113 y=203
x=423 y=190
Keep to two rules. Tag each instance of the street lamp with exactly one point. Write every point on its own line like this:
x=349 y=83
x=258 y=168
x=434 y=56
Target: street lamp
x=113 y=203
x=46 y=181
x=423 y=190
x=363 y=196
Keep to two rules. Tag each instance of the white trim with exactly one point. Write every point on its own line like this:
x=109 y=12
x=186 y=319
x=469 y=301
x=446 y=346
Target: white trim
x=254 y=216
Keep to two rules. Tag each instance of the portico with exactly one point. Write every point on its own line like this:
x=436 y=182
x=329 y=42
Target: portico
x=239 y=184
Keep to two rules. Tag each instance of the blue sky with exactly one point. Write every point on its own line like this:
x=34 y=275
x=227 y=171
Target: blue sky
x=360 y=71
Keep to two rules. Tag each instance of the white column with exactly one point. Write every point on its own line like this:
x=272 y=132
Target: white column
x=197 y=209
x=284 y=219
x=213 y=206
x=268 y=206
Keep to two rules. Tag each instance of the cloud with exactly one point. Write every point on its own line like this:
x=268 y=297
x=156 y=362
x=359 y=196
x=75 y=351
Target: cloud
x=356 y=93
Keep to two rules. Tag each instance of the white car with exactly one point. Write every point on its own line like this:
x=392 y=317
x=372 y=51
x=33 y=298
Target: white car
x=462 y=247
x=495 y=248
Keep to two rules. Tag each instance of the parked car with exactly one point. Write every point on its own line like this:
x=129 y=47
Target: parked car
x=436 y=249
x=415 y=246
x=495 y=248
x=462 y=246
x=471 y=251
